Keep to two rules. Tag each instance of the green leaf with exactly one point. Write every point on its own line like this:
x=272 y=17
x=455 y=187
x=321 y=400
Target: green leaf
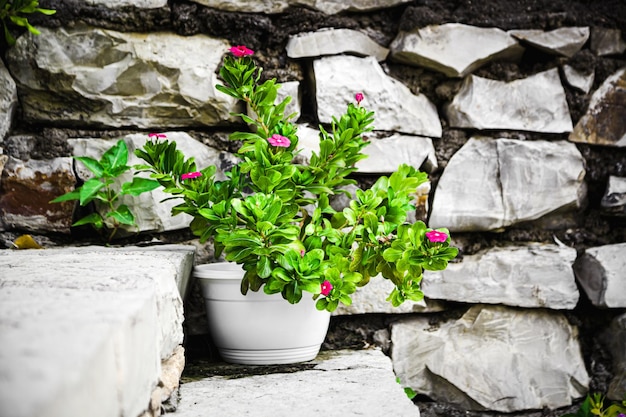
x=123 y=215
x=89 y=190
x=115 y=157
x=91 y=164
x=139 y=186
x=94 y=218
x=72 y=195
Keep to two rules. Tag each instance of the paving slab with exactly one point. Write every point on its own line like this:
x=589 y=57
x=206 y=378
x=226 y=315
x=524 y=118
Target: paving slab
x=83 y=331
x=337 y=384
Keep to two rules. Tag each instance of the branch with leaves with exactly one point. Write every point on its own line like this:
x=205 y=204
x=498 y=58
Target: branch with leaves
x=15 y=12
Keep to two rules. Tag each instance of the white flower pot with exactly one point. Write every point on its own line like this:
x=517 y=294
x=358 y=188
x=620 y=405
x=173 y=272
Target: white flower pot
x=258 y=329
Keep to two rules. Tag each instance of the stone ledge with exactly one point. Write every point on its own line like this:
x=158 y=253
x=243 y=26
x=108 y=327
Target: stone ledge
x=336 y=384
x=84 y=330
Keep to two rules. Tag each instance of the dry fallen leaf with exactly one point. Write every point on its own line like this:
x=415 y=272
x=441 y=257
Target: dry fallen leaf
x=26 y=242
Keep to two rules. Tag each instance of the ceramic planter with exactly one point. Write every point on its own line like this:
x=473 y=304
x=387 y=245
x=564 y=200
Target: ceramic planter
x=258 y=329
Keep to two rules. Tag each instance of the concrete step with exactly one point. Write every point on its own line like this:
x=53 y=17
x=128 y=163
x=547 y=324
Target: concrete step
x=342 y=383
x=84 y=331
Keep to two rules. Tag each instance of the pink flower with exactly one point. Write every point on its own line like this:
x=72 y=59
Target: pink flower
x=240 y=51
x=278 y=140
x=359 y=98
x=326 y=288
x=157 y=135
x=190 y=175
x=436 y=237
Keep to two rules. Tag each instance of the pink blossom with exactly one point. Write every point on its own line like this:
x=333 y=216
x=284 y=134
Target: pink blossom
x=436 y=237
x=278 y=140
x=359 y=98
x=190 y=175
x=157 y=135
x=326 y=288
x=241 y=50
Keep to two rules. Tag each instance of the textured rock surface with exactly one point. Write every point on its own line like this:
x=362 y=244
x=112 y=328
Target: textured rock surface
x=605 y=120
x=150 y=213
x=489 y=184
x=8 y=100
x=109 y=78
x=339 y=78
x=614 y=199
x=84 y=330
x=601 y=273
x=564 y=41
x=606 y=41
x=578 y=80
x=536 y=103
x=334 y=42
x=493 y=358
x=450 y=48
x=326 y=6
x=27 y=189
x=614 y=338
x=143 y=4
x=339 y=383
x=385 y=155
x=533 y=275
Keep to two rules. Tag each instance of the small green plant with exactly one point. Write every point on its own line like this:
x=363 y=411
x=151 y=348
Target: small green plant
x=14 y=11
x=593 y=406
x=102 y=188
x=410 y=393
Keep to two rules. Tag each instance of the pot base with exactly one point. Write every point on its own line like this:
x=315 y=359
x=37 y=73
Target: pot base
x=269 y=356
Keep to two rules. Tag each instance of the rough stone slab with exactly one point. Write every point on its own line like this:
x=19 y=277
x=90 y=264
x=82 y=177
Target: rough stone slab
x=536 y=103
x=278 y=6
x=8 y=100
x=339 y=384
x=605 y=41
x=493 y=183
x=27 y=189
x=533 y=276
x=492 y=358
x=150 y=213
x=614 y=338
x=330 y=41
x=565 y=41
x=578 y=80
x=84 y=330
x=140 y=4
x=115 y=79
x=601 y=271
x=605 y=120
x=454 y=49
x=339 y=78
x=614 y=199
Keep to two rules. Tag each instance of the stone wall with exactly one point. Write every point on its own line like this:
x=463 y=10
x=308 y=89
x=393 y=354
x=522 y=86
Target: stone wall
x=515 y=109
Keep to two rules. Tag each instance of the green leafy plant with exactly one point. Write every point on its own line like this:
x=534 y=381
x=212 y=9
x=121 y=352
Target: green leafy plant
x=593 y=406
x=103 y=188
x=273 y=215
x=15 y=12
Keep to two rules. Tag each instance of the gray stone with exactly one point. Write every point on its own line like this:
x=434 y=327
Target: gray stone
x=336 y=384
x=114 y=4
x=372 y=298
x=601 y=273
x=605 y=120
x=493 y=358
x=533 y=276
x=84 y=330
x=278 y=6
x=150 y=213
x=386 y=154
x=613 y=338
x=339 y=78
x=535 y=104
x=27 y=189
x=614 y=199
x=330 y=41
x=108 y=78
x=493 y=183
x=565 y=41
x=578 y=80
x=453 y=48
x=605 y=41
x=8 y=100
